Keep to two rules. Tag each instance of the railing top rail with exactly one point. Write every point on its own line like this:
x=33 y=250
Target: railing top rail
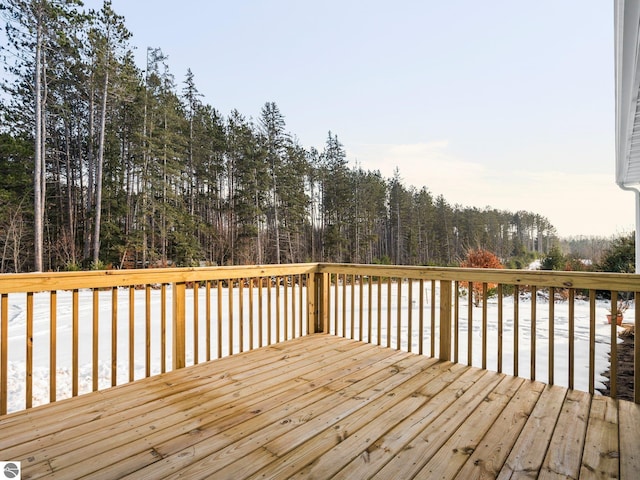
x=540 y=278
x=36 y=282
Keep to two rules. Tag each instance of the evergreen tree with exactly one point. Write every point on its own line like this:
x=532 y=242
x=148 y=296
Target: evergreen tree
x=275 y=142
x=400 y=224
x=620 y=257
x=249 y=182
x=294 y=203
x=337 y=199
x=34 y=29
x=554 y=260
x=108 y=38
x=15 y=191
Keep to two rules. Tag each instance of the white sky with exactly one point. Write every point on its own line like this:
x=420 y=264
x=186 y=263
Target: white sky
x=500 y=103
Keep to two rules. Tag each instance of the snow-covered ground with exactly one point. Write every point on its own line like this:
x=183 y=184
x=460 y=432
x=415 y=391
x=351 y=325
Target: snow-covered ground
x=17 y=334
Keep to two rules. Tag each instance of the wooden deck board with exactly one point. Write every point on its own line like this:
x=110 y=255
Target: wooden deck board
x=327 y=407
x=601 y=453
x=629 y=425
x=567 y=442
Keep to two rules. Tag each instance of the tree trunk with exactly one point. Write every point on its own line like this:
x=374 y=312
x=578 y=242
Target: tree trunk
x=99 y=169
x=38 y=210
x=90 y=179
x=276 y=220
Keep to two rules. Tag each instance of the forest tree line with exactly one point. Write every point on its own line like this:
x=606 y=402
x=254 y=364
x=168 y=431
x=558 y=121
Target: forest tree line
x=106 y=164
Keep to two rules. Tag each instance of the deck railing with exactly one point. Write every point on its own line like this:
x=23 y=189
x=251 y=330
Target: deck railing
x=83 y=331
x=76 y=332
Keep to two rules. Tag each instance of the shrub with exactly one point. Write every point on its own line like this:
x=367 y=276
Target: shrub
x=480 y=258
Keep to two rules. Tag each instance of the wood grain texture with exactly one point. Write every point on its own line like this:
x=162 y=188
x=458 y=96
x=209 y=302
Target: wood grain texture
x=326 y=407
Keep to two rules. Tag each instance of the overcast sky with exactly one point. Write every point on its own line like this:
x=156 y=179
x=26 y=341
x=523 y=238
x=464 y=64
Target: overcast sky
x=500 y=103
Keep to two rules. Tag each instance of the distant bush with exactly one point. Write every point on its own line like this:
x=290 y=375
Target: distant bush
x=480 y=258
x=620 y=257
x=554 y=260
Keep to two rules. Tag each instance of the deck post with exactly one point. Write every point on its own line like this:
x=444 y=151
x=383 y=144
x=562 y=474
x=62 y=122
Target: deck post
x=323 y=303
x=311 y=303
x=445 y=320
x=317 y=302
x=179 y=328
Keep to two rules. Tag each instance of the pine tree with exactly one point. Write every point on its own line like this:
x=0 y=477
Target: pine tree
x=275 y=141
x=108 y=38
x=337 y=198
x=34 y=29
x=248 y=181
x=294 y=203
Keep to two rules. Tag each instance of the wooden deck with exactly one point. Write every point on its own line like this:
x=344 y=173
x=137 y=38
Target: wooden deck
x=327 y=407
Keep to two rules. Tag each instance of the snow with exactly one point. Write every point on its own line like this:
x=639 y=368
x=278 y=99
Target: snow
x=17 y=334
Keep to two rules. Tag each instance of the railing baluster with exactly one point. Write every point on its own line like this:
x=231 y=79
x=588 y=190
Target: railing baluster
x=339 y=301
x=433 y=318
x=230 y=314
x=399 y=315
x=456 y=322
x=532 y=358
x=29 y=351
x=572 y=338
x=219 y=320
x=269 y=308
x=613 y=368
x=301 y=286
x=207 y=294
x=484 y=324
x=305 y=305
x=4 y=351
x=285 y=288
x=352 y=310
x=409 y=318
x=592 y=341
x=196 y=323
x=75 y=371
x=114 y=336
x=132 y=304
x=470 y=325
x=389 y=312
x=260 y=309
x=360 y=299
x=163 y=328
x=293 y=307
x=552 y=330
x=53 y=332
x=421 y=318
x=516 y=329
x=278 y=327
x=241 y=313
x=379 y=342
x=251 y=329
x=344 y=306
x=370 y=306
x=500 y=325
x=339 y=320
x=147 y=330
